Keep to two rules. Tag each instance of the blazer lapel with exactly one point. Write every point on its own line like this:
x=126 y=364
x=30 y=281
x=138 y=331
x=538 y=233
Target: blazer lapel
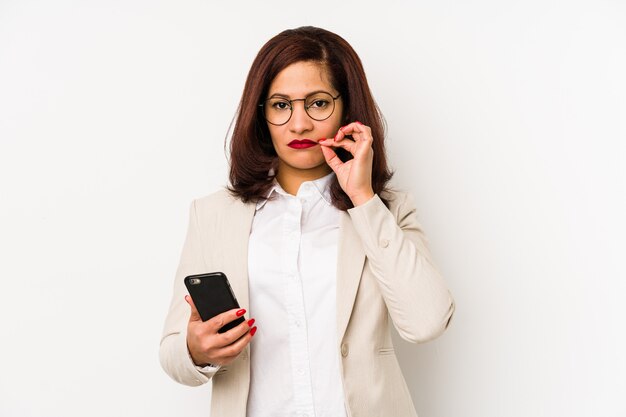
x=238 y=234
x=350 y=260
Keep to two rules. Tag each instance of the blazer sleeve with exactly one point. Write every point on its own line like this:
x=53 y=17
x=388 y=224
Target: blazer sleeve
x=414 y=291
x=173 y=352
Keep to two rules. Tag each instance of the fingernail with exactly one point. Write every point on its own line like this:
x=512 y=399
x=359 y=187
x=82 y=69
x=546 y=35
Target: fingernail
x=321 y=139
x=253 y=331
x=241 y=312
x=359 y=123
x=250 y=322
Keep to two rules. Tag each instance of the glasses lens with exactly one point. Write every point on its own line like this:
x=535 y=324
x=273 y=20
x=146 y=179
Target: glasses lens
x=319 y=106
x=277 y=110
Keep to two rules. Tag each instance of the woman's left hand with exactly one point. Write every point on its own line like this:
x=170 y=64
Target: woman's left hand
x=355 y=175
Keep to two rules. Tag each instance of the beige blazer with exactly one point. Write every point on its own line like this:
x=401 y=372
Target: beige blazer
x=384 y=271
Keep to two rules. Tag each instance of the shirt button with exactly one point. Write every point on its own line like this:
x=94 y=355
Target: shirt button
x=298 y=323
x=300 y=372
x=344 y=349
x=383 y=243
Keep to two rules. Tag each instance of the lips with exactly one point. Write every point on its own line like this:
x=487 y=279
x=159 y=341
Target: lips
x=301 y=144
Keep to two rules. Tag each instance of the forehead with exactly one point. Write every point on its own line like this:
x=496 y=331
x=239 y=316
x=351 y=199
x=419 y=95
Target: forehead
x=300 y=79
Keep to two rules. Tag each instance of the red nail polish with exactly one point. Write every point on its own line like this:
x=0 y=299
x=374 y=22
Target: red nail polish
x=253 y=331
x=321 y=139
x=250 y=322
x=241 y=312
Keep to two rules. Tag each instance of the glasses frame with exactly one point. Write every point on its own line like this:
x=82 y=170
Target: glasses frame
x=306 y=110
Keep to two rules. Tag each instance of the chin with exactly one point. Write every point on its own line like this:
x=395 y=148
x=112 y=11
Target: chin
x=309 y=164
x=307 y=160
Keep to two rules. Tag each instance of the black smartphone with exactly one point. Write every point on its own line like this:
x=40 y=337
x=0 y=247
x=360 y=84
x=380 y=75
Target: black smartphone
x=212 y=295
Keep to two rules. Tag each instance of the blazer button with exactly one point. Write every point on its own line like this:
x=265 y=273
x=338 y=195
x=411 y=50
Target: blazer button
x=384 y=243
x=344 y=349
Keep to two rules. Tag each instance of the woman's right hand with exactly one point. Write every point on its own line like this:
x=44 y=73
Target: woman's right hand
x=207 y=346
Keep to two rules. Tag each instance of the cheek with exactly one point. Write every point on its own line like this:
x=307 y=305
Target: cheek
x=341 y=115
x=335 y=124
x=339 y=119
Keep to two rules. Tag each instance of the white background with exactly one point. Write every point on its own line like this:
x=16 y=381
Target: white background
x=506 y=123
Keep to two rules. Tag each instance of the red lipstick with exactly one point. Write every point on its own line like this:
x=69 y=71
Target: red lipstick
x=301 y=144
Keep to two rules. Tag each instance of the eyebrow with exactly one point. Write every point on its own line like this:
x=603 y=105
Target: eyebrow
x=287 y=96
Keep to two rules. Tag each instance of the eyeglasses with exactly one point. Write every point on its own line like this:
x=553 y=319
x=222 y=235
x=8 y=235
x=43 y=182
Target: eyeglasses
x=319 y=106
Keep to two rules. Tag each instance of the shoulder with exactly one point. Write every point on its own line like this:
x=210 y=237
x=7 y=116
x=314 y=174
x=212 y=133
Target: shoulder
x=220 y=205
x=220 y=198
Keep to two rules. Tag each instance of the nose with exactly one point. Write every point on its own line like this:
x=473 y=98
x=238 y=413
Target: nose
x=300 y=120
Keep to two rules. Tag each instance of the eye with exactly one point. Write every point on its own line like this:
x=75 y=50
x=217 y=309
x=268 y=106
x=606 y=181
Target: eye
x=279 y=104
x=318 y=104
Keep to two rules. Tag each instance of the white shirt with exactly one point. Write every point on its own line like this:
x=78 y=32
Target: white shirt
x=292 y=268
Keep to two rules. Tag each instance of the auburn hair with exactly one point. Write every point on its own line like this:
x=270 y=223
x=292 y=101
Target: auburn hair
x=253 y=160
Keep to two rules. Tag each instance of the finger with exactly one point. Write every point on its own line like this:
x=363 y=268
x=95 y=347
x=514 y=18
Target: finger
x=362 y=137
x=343 y=132
x=235 y=348
x=346 y=144
x=195 y=316
x=217 y=322
x=357 y=149
x=332 y=159
x=339 y=135
x=230 y=336
x=357 y=130
x=354 y=127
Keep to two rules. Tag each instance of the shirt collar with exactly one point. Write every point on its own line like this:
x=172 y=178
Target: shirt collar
x=320 y=185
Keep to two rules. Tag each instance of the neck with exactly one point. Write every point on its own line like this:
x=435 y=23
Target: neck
x=290 y=178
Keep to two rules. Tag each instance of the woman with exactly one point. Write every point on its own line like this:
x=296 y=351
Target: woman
x=316 y=247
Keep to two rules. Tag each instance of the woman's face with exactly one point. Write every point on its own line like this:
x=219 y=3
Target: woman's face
x=296 y=155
